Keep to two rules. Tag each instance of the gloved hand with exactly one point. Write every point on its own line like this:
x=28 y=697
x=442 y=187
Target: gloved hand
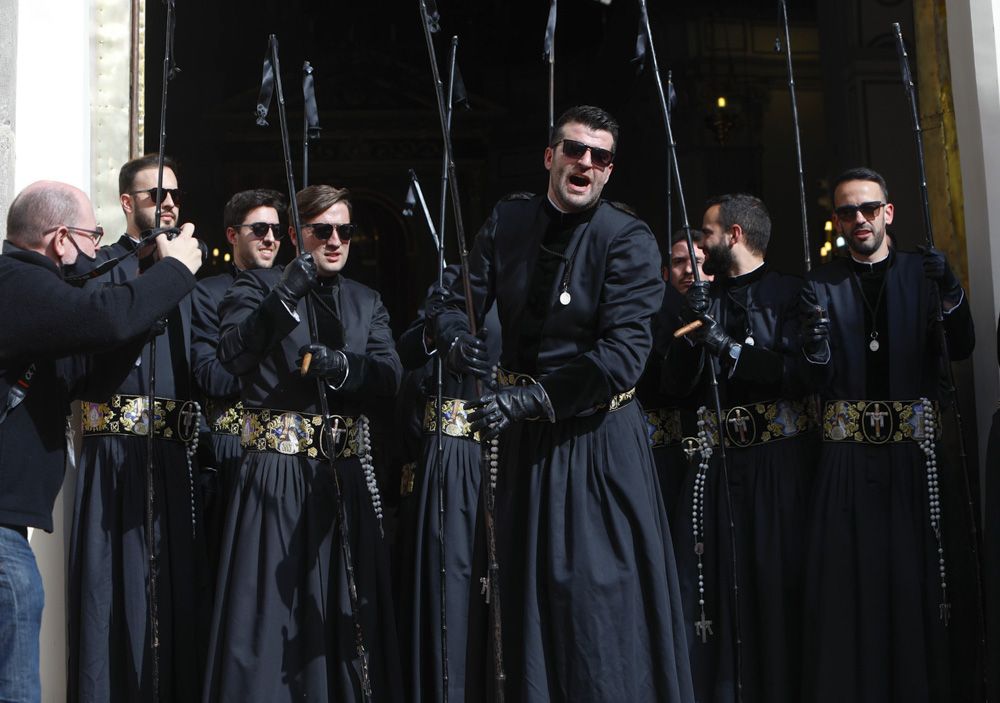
x=157 y=328
x=713 y=337
x=936 y=268
x=696 y=298
x=435 y=303
x=325 y=362
x=297 y=279
x=498 y=410
x=469 y=354
x=815 y=331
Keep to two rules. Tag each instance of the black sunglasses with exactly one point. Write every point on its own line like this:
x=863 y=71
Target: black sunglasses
x=174 y=193
x=601 y=158
x=849 y=213
x=324 y=231
x=260 y=229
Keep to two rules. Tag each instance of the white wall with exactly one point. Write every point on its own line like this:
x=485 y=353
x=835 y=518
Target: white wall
x=975 y=66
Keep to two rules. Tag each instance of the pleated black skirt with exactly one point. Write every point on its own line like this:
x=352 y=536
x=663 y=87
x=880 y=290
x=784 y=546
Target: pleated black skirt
x=282 y=626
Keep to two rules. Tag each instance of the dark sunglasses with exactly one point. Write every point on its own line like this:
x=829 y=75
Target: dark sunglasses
x=174 y=193
x=260 y=229
x=601 y=158
x=849 y=213
x=323 y=231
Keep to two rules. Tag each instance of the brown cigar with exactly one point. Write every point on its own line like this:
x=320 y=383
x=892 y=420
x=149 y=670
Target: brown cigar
x=689 y=327
x=306 y=360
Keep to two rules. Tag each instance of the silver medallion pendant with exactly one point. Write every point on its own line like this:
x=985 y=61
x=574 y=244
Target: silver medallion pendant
x=873 y=345
x=565 y=297
x=749 y=341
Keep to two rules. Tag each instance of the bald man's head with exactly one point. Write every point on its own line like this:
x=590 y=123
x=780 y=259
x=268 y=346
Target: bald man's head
x=42 y=206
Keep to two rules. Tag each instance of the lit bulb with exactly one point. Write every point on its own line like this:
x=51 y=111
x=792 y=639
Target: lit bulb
x=721 y=102
x=841 y=242
x=828 y=226
x=215 y=253
x=226 y=257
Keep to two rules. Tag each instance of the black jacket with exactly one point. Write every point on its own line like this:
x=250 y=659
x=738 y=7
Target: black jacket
x=55 y=325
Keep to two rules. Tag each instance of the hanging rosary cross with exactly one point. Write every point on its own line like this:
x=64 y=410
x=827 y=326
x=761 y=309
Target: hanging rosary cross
x=703 y=628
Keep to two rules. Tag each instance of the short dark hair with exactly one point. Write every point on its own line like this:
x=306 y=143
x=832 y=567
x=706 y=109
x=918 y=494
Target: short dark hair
x=593 y=117
x=748 y=212
x=860 y=173
x=128 y=172
x=246 y=200
x=315 y=200
x=681 y=236
x=37 y=209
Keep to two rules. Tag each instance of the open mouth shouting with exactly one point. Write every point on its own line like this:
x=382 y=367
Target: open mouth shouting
x=579 y=182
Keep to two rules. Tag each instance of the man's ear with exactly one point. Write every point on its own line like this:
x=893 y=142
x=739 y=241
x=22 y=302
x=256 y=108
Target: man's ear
x=549 y=155
x=127 y=203
x=737 y=233
x=231 y=235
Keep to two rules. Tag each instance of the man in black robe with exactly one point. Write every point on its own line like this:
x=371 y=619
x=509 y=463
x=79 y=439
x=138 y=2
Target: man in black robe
x=254 y=234
x=50 y=328
x=282 y=627
x=749 y=330
x=591 y=605
x=109 y=617
x=672 y=421
x=880 y=586
x=419 y=600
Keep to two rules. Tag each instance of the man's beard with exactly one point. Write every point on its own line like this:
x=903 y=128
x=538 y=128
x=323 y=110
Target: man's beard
x=144 y=219
x=869 y=247
x=718 y=261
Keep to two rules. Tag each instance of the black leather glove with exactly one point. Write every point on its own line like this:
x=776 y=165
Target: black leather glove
x=297 y=279
x=697 y=298
x=713 y=337
x=469 y=354
x=936 y=268
x=325 y=362
x=498 y=410
x=815 y=331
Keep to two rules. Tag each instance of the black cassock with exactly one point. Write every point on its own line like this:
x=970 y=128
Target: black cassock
x=873 y=630
x=670 y=418
x=218 y=391
x=769 y=485
x=420 y=593
x=591 y=605
x=282 y=628
x=109 y=636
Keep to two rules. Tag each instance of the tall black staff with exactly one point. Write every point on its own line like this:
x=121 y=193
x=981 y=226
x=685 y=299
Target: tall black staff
x=950 y=391
x=712 y=377
x=169 y=71
x=798 y=139
x=310 y=118
x=492 y=582
x=270 y=84
x=550 y=58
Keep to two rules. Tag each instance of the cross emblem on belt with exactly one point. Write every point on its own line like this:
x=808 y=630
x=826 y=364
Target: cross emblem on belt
x=739 y=423
x=876 y=418
x=188 y=418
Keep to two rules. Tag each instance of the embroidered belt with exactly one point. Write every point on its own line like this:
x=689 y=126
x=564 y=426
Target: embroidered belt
x=129 y=415
x=513 y=378
x=454 y=422
x=877 y=421
x=664 y=426
x=759 y=423
x=299 y=434
x=225 y=417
